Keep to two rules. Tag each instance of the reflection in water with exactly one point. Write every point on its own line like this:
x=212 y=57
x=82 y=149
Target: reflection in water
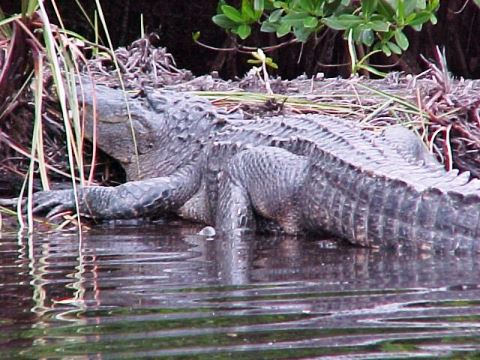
x=163 y=290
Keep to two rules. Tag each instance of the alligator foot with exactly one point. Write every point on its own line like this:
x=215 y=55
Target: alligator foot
x=51 y=203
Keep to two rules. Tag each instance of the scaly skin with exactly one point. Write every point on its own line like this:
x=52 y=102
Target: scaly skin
x=304 y=173
x=324 y=174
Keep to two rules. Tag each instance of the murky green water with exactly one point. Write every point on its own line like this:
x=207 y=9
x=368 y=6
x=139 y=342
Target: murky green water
x=163 y=291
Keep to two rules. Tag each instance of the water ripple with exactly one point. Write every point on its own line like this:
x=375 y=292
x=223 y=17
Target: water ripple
x=163 y=291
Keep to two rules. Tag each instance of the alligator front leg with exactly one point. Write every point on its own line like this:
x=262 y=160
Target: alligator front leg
x=134 y=199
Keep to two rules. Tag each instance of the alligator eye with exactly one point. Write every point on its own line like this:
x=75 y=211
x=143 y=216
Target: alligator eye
x=145 y=148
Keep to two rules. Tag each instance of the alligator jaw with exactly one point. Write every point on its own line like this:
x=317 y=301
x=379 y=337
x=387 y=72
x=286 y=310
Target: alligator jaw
x=108 y=124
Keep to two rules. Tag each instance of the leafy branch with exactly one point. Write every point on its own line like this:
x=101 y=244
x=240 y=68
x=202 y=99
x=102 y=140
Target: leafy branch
x=379 y=25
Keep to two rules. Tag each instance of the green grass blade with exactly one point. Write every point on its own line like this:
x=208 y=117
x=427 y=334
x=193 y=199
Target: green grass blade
x=52 y=53
x=4 y=29
x=120 y=78
x=37 y=138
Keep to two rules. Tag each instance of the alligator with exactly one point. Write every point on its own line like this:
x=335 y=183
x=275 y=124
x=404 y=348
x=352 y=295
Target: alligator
x=303 y=174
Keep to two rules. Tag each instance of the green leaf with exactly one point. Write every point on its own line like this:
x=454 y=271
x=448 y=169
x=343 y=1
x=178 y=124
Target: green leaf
x=268 y=27
x=417 y=27
x=386 y=9
x=342 y=22
x=259 y=54
x=394 y=47
x=420 y=18
x=401 y=40
x=421 y=4
x=295 y=18
x=357 y=33
x=310 y=22
x=280 y=5
x=219 y=6
x=333 y=23
x=306 y=5
x=386 y=50
x=247 y=11
x=410 y=6
x=268 y=6
x=196 y=35
x=367 y=37
x=354 y=19
x=232 y=13
x=302 y=33
x=410 y=18
x=270 y=63
x=244 y=31
x=259 y=5
x=275 y=15
x=372 y=70
x=368 y=7
x=283 y=29
x=379 y=26
x=223 y=21
x=400 y=9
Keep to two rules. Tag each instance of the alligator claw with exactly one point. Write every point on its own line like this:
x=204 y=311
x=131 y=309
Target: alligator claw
x=53 y=202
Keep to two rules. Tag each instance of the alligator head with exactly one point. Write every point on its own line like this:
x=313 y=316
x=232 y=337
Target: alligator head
x=157 y=137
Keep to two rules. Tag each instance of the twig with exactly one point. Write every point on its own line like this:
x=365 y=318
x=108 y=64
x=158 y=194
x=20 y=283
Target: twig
x=246 y=49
